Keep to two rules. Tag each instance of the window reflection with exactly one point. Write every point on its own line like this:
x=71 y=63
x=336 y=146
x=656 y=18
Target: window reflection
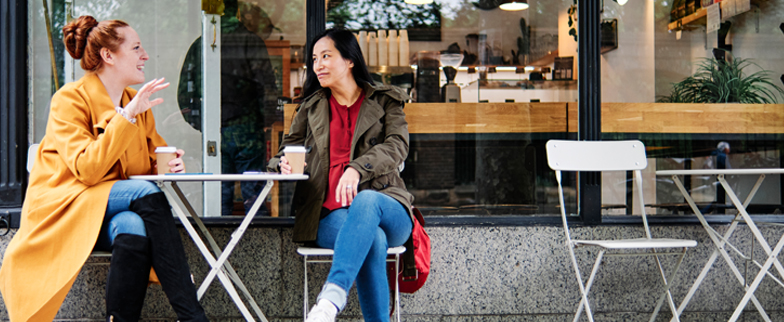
x=474 y=159
x=422 y=21
x=485 y=155
x=680 y=55
x=249 y=96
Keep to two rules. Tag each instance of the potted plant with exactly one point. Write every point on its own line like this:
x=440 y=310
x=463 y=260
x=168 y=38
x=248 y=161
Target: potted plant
x=719 y=81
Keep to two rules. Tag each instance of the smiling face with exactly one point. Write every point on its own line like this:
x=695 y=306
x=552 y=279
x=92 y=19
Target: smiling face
x=128 y=60
x=330 y=67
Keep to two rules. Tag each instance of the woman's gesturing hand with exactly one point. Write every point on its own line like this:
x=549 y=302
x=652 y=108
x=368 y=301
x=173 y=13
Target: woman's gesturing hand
x=141 y=102
x=347 y=187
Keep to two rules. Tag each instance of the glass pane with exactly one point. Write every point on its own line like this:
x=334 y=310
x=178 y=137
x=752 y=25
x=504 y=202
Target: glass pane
x=164 y=29
x=699 y=97
x=514 y=75
x=171 y=34
x=261 y=58
x=42 y=83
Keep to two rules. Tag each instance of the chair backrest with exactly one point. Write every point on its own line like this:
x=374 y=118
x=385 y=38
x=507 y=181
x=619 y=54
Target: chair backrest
x=32 y=153
x=563 y=155
x=596 y=155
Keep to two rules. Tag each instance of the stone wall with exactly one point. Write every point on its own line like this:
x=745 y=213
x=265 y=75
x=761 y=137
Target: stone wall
x=478 y=274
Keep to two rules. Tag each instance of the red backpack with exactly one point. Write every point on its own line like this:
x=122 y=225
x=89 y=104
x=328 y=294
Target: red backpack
x=415 y=262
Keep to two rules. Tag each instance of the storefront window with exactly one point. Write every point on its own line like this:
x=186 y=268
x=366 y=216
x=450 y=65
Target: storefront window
x=171 y=33
x=514 y=75
x=702 y=92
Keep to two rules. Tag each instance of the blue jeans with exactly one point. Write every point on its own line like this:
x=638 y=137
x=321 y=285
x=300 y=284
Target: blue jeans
x=360 y=236
x=120 y=220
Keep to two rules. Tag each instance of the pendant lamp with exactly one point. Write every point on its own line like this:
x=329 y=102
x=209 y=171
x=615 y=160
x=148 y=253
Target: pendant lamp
x=514 y=5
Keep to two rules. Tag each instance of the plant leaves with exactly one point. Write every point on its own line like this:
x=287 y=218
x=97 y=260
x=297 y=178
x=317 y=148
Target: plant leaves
x=725 y=82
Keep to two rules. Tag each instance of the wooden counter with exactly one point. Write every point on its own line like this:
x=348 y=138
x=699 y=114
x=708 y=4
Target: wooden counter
x=475 y=117
x=433 y=118
x=690 y=118
x=561 y=117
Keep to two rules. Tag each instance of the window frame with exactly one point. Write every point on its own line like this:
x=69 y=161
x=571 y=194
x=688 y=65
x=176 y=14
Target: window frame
x=589 y=128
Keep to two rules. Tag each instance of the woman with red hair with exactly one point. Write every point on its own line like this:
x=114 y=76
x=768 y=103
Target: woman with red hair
x=99 y=132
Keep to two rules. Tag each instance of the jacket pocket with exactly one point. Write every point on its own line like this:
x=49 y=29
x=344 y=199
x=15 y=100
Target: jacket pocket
x=384 y=181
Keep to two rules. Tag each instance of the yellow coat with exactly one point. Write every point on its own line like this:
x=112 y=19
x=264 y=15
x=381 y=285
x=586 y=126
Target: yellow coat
x=86 y=149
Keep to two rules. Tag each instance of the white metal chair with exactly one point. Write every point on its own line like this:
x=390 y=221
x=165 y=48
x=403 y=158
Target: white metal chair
x=613 y=156
x=32 y=153
x=320 y=253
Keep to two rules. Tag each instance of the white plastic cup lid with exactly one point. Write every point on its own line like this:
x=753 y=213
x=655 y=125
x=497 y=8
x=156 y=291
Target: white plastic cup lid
x=294 y=149
x=166 y=149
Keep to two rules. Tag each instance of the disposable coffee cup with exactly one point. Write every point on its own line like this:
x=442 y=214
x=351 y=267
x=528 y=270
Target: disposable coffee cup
x=165 y=154
x=296 y=157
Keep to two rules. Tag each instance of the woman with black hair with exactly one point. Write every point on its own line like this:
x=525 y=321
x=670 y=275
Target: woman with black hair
x=355 y=201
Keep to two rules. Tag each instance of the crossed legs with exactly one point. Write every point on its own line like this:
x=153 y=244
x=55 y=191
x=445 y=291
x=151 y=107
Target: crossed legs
x=360 y=236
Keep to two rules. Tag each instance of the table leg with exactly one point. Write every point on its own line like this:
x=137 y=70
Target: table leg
x=754 y=230
x=227 y=268
x=750 y=292
x=235 y=237
x=205 y=252
x=719 y=243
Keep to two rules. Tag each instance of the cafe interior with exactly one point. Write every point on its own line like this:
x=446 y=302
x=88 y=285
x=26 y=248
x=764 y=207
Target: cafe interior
x=490 y=82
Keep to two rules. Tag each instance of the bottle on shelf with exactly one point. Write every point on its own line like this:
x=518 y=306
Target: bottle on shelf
x=393 y=48
x=363 y=44
x=372 y=49
x=403 y=48
x=383 y=52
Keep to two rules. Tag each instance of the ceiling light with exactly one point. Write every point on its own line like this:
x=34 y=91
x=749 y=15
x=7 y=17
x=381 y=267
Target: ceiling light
x=419 y=1
x=514 y=5
x=622 y=2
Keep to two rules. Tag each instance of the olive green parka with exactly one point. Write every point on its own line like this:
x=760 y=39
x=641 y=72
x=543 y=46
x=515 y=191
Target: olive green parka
x=379 y=147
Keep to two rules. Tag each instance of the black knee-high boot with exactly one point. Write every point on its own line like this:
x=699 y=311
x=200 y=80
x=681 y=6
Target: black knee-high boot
x=168 y=256
x=129 y=272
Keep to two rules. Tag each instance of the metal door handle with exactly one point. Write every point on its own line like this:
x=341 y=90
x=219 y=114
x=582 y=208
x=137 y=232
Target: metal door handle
x=212 y=149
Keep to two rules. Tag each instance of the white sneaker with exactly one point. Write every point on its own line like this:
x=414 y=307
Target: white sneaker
x=324 y=311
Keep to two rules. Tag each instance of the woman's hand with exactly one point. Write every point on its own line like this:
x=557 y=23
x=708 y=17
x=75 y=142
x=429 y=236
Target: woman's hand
x=347 y=187
x=285 y=167
x=176 y=165
x=141 y=102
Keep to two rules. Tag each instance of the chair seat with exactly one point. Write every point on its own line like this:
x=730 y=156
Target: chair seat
x=637 y=243
x=100 y=253
x=306 y=252
x=312 y=251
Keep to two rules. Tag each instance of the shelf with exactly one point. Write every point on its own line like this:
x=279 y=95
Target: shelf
x=522 y=84
x=696 y=18
x=390 y=69
x=372 y=69
x=699 y=17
